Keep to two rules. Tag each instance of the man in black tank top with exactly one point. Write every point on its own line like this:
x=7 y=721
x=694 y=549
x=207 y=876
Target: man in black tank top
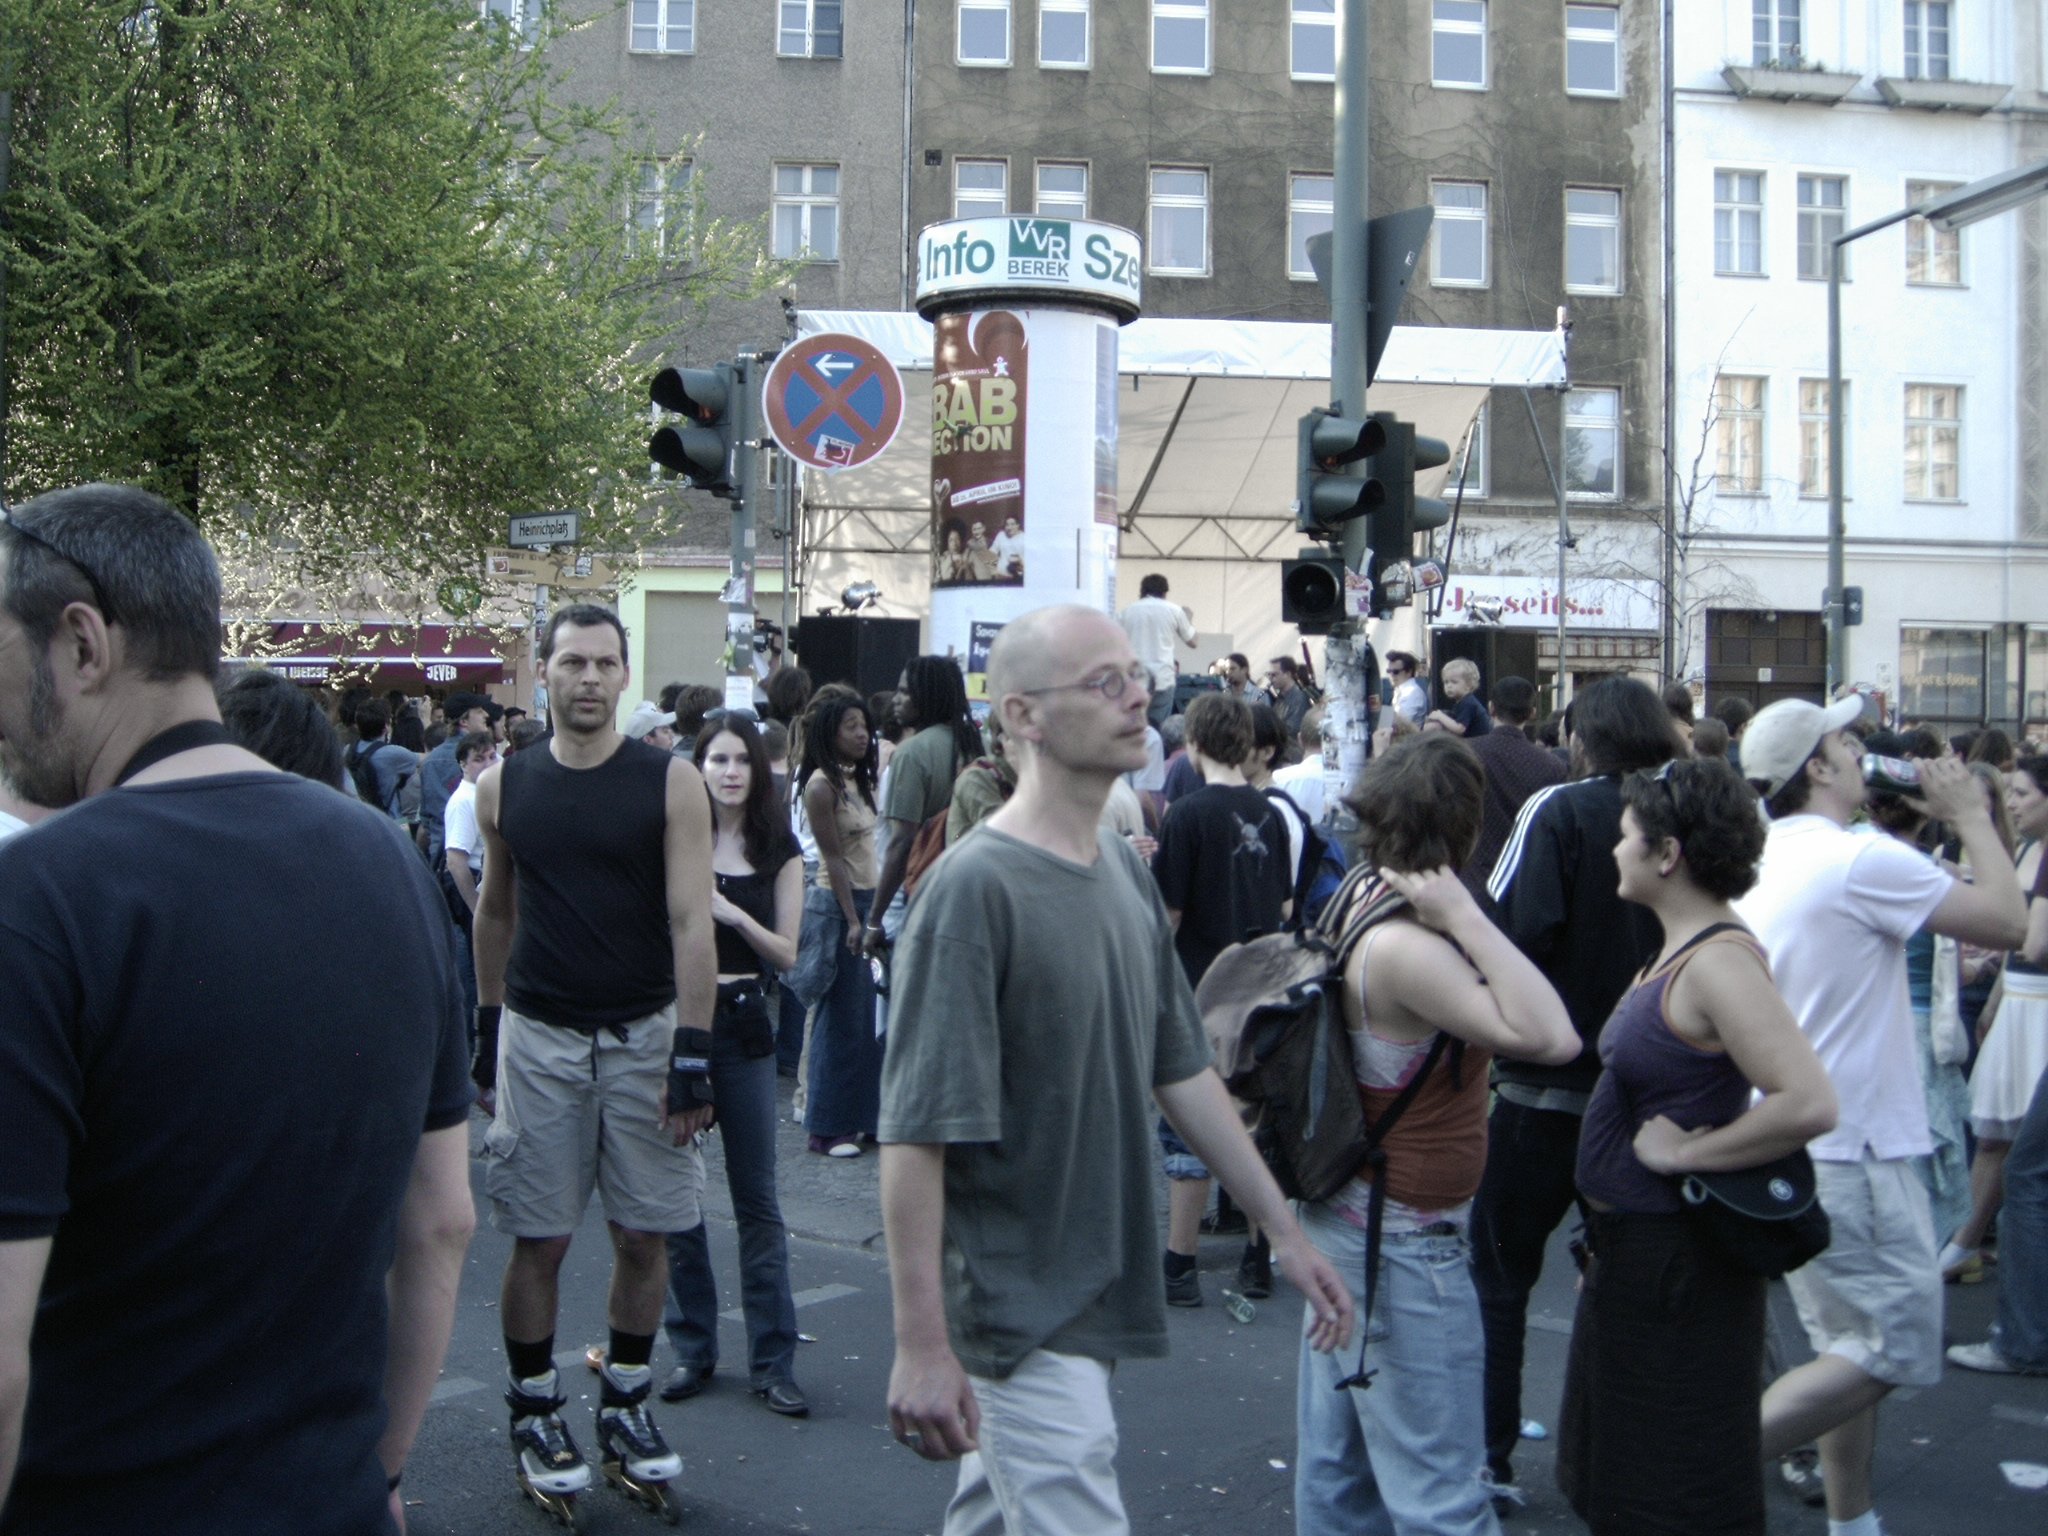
x=595 y=967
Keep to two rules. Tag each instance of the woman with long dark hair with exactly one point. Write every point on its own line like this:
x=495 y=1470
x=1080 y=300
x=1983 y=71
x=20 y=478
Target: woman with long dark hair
x=758 y=905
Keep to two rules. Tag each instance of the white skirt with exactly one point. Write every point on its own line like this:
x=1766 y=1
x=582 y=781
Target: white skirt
x=2014 y=1056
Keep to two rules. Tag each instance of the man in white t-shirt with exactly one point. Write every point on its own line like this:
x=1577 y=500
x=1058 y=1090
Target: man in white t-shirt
x=1008 y=548
x=1834 y=906
x=1155 y=626
x=464 y=842
x=1304 y=780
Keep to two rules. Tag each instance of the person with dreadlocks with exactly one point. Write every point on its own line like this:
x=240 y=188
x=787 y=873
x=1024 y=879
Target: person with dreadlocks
x=932 y=702
x=843 y=1098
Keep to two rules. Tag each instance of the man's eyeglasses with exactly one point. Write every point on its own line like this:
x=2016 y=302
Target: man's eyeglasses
x=1111 y=685
x=22 y=530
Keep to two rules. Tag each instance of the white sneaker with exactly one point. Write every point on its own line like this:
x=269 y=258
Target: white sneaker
x=1985 y=1357
x=1954 y=1260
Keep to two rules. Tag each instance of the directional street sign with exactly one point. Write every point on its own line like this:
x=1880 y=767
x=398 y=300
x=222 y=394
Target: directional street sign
x=832 y=402
x=546 y=529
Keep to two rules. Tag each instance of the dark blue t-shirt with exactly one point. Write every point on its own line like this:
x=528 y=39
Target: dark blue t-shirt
x=1471 y=714
x=228 y=1011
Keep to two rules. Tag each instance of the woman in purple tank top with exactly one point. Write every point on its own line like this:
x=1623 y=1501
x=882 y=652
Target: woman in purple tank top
x=1661 y=1426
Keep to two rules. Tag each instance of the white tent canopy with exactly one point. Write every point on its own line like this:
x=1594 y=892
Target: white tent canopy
x=1206 y=443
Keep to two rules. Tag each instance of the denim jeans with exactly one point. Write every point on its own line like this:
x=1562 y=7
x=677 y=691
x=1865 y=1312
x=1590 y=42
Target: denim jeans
x=2021 y=1331
x=844 y=1096
x=745 y=1091
x=1404 y=1454
x=789 y=1029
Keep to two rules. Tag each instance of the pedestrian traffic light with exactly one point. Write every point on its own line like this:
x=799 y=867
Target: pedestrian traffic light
x=701 y=447
x=1326 y=500
x=1312 y=591
x=1401 y=513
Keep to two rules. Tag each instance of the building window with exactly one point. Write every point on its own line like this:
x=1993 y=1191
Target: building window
x=522 y=16
x=806 y=212
x=1592 y=442
x=1592 y=50
x=1468 y=468
x=1180 y=222
x=1739 y=223
x=1180 y=37
x=1312 y=40
x=1777 y=31
x=1738 y=435
x=1813 y=435
x=664 y=26
x=985 y=33
x=659 y=215
x=1942 y=675
x=1592 y=240
x=1934 y=440
x=981 y=189
x=1823 y=216
x=1063 y=34
x=1062 y=191
x=810 y=29
x=1457 y=44
x=1927 y=39
x=1458 y=248
x=1311 y=210
x=1934 y=257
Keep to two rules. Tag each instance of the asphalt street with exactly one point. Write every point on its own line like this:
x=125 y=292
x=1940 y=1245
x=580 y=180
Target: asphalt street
x=1207 y=1435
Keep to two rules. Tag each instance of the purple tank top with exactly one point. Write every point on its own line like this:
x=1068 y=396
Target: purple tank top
x=1649 y=1069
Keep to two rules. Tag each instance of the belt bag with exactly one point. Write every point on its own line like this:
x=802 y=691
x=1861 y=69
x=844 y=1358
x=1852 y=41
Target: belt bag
x=1766 y=1220
x=743 y=1017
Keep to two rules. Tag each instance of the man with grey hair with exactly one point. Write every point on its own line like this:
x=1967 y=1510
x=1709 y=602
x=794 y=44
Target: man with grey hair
x=1017 y=1163
x=223 y=1142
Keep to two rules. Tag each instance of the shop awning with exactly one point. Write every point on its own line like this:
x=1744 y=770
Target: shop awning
x=375 y=653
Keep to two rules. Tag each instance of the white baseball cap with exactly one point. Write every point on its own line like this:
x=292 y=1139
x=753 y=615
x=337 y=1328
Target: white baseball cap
x=647 y=716
x=1782 y=736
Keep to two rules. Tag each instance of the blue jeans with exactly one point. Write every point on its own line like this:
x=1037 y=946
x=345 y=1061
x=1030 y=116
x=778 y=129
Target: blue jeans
x=2021 y=1331
x=745 y=1090
x=465 y=968
x=1404 y=1454
x=845 y=1094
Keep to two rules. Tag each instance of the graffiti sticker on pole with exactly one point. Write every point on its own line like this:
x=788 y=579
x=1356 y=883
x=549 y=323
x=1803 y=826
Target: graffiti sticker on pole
x=832 y=402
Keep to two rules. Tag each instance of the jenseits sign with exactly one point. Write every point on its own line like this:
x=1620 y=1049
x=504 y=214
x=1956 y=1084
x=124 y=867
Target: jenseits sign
x=1044 y=258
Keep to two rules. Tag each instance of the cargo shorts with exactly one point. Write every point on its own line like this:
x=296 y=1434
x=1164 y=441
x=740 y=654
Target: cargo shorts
x=580 y=1111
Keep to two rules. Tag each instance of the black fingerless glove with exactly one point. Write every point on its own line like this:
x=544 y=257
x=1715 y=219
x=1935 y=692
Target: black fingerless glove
x=483 y=1062
x=689 y=1072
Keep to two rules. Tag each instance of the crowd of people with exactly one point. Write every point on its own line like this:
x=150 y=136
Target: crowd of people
x=1610 y=970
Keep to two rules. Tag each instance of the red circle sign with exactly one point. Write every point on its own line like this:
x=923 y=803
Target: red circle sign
x=832 y=402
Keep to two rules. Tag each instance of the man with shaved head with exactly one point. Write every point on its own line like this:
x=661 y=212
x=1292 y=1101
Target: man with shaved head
x=1017 y=1100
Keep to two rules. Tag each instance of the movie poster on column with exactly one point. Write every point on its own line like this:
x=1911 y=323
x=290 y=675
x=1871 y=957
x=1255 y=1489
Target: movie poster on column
x=980 y=411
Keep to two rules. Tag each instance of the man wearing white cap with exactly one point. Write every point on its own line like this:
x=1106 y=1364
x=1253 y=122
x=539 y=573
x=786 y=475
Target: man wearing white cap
x=1834 y=908
x=650 y=723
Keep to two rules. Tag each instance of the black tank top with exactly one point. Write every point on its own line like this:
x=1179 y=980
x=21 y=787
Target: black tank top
x=753 y=894
x=592 y=943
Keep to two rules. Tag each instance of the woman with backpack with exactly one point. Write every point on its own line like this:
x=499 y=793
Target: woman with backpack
x=1430 y=995
x=1661 y=1426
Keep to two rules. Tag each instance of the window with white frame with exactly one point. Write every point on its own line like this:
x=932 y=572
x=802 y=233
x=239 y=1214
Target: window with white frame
x=522 y=16
x=660 y=209
x=1777 y=31
x=1934 y=257
x=1468 y=469
x=1738 y=435
x=810 y=29
x=1592 y=442
x=1180 y=37
x=1312 y=39
x=981 y=189
x=1179 y=221
x=1063 y=34
x=1927 y=39
x=1813 y=435
x=1739 y=223
x=1457 y=44
x=1592 y=240
x=1457 y=254
x=1934 y=441
x=1592 y=50
x=1311 y=210
x=984 y=33
x=664 y=26
x=1823 y=216
x=806 y=212
x=1943 y=677
x=1062 y=190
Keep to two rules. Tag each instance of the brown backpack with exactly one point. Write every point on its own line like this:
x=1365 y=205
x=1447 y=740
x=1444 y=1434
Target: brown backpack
x=930 y=841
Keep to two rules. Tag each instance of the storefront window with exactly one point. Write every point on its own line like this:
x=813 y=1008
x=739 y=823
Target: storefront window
x=1942 y=677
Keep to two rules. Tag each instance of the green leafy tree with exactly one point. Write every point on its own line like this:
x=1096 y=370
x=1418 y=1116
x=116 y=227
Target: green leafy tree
x=349 y=281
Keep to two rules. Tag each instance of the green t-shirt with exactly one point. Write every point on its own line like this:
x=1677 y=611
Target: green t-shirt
x=1035 y=1004
x=921 y=775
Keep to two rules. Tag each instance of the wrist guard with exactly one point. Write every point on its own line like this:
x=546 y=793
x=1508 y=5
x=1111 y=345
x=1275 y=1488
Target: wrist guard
x=689 y=1072
x=483 y=1061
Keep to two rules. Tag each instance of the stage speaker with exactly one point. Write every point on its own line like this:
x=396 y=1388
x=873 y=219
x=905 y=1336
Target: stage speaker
x=867 y=654
x=1498 y=652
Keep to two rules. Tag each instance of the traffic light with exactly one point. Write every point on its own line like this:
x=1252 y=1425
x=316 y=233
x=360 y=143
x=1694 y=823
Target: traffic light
x=1312 y=591
x=701 y=447
x=1327 y=503
x=1390 y=537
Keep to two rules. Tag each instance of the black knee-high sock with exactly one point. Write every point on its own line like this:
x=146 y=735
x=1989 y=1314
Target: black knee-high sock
x=630 y=1349
x=530 y=1360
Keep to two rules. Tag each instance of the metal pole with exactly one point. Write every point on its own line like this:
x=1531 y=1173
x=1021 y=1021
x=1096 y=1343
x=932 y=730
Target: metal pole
x=1564 y=521
x=1838 y=632
x=739 y=618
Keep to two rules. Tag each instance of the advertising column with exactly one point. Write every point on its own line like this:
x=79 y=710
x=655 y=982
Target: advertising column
x=1023 y=477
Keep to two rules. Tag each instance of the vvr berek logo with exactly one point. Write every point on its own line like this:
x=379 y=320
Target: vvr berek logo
x=1040 y=247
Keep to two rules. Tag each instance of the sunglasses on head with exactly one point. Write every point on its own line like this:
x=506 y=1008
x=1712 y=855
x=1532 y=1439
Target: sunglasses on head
x=22 y=530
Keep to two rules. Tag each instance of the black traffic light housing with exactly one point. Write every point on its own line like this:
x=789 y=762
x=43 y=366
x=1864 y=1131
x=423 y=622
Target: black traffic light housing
x=1390 y=536
x=1312 y=591
x=1326 y=501
x=701 y=446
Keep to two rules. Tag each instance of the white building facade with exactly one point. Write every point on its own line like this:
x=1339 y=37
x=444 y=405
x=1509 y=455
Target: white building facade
x=1794 y=121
